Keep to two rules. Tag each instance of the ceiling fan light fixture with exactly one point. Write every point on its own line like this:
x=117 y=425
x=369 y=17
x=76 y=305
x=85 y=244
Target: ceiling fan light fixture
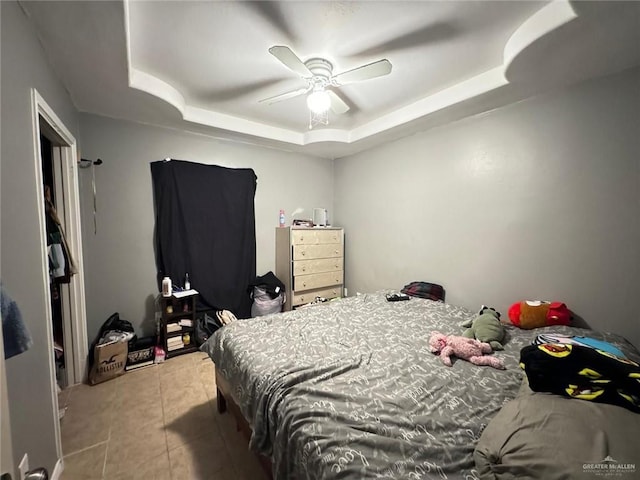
x=319 y=101
x=318 y=75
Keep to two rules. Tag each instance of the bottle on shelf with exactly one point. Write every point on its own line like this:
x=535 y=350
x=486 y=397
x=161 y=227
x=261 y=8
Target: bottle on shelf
x=281 y=218
x=187 y=283
x=166 y=287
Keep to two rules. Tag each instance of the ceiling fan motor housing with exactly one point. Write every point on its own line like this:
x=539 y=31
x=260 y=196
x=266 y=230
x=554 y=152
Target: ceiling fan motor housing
x=322 y=70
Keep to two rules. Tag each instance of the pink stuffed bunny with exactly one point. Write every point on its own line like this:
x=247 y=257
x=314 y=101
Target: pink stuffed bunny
x=462 y=347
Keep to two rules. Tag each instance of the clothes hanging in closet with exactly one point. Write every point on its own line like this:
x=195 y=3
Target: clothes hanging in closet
x=61 y=264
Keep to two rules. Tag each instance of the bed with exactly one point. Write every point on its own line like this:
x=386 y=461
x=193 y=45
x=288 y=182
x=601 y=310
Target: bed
x=349 y=389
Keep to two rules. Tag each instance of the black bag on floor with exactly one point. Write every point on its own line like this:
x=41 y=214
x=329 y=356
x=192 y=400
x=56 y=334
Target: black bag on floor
x=205 y=327
x=113 y=323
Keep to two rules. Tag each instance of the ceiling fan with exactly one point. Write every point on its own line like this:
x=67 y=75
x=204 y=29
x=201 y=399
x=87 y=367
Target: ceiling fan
x=319 y=77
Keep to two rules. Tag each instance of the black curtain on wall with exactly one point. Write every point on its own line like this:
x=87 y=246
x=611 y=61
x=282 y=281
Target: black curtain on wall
x=205 y=226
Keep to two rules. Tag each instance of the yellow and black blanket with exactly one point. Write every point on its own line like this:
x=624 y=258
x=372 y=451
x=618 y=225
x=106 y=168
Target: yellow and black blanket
x=582 y=372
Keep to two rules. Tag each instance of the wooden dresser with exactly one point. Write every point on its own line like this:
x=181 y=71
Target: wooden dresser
x=310 y=263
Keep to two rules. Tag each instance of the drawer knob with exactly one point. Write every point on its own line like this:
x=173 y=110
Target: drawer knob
x=304 y=284
x=304 y=269
x=302 y=253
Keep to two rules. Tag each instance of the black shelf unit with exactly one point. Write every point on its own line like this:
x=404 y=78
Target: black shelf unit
x=173 y=310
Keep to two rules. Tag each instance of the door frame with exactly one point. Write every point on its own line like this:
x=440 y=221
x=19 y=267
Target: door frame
x=67 y=157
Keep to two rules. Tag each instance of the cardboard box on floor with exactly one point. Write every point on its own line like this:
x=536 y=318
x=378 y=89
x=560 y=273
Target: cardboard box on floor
x=109 y=361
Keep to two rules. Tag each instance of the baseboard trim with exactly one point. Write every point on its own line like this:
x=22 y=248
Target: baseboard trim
x=57 y=470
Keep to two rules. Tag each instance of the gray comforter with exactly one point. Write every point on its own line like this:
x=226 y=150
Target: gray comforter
x=349 y=389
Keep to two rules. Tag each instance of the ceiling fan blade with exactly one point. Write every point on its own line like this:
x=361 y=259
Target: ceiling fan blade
x=372 y=70
x=338 y=106
x=436 y=32
x=290 y=60
x=285 y=96
x=272 y=12
x=231 y=93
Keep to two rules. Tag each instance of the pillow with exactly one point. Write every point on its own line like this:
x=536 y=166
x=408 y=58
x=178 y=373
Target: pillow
x=546 y=436
x=536 y=313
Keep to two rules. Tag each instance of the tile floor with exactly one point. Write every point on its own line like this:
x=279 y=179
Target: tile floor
x=158 y=422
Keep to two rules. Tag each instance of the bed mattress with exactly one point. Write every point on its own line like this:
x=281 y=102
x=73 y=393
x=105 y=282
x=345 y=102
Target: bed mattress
x=349 y=389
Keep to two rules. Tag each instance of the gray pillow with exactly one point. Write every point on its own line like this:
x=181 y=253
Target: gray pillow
x=545 y=436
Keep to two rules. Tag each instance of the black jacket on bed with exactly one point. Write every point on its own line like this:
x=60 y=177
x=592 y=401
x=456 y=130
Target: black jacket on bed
x=582 y=372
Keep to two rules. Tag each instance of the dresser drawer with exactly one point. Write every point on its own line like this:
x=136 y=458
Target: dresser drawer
x=310 y=252
x=306 y=267
x=317 y=280
x=310 y=296
x=314 y=237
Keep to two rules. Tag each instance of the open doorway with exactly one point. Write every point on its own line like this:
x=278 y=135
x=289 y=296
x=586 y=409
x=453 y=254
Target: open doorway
x=61 y=260
x=58 y=191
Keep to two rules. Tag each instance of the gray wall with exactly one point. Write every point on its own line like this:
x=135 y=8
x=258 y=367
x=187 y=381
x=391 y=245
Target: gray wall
x=537 y=200
x=29 y=383
x=120 y=267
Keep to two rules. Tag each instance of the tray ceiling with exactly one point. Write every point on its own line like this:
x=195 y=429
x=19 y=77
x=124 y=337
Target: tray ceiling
x=204 y=66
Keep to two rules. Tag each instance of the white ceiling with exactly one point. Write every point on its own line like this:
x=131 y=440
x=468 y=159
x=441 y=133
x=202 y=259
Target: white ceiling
x=204 y=66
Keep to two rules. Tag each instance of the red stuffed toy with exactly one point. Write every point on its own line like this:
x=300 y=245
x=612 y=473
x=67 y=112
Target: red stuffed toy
x=534 y=314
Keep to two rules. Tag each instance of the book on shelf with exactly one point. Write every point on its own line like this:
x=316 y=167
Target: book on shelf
x=185 y=293
x=177 y=346
x=186 y=322
x=173 y=327
x=174 y=340
x=134 y=366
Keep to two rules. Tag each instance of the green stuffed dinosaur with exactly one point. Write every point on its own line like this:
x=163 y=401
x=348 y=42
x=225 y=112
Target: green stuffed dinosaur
x=486 y=327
